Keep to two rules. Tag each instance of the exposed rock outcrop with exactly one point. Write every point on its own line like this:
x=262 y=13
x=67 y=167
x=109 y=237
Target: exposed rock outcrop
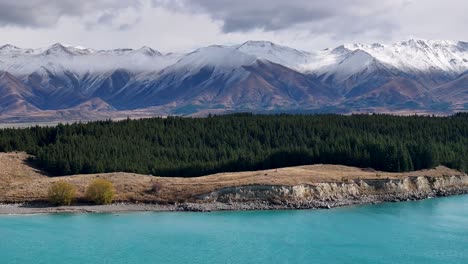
x=327 y=195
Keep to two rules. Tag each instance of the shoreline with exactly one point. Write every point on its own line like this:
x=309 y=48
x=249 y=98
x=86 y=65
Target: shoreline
x=23 y=189
x=260 y=205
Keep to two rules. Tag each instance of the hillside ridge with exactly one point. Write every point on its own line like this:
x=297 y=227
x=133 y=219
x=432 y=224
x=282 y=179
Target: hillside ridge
x=303 y=187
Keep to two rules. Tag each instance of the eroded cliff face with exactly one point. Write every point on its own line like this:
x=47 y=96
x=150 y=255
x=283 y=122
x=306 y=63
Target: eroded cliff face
x=329 y=194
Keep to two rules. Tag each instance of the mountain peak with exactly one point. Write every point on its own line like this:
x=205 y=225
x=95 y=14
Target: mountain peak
x=12 y=50
x=149 y=51
x=415 y=43
x=215 y=56
x=416 y=54
x=359 y=54
x=425 y=44
x=275 y=53
x=340 y=50
x=263 y=45
x=94 y=104
x=80 y=50
x=258 y=43
x=57 y=46
x=356 y=60
x=58 y=49
x=9 y=47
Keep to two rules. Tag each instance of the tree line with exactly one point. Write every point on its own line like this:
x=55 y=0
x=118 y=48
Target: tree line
x=188 y=147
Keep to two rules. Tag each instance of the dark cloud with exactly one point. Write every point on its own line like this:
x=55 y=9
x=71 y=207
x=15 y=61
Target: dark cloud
x=182 y=25
x=46 y=13
x=335 y=16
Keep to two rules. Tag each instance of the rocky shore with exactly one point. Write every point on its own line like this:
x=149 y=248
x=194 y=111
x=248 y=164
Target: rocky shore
x=264 y=197
x=23 y=189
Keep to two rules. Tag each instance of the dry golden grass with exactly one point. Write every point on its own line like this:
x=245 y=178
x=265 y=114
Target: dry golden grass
x=20 y=182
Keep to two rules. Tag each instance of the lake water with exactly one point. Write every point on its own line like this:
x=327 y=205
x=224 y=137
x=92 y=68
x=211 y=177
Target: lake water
x=431 y=231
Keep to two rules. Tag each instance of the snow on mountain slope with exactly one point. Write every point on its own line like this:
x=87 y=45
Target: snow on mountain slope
x=258 y=85
x=354 y=62
x=215 y=60
x=59 y=58
x=60 y=51
x=413 y=56
x=344 y=69
x=407 y=56
x=421 y=55
x=324 y=59
x=9 y=49
x=221 y=57
x=283 y=55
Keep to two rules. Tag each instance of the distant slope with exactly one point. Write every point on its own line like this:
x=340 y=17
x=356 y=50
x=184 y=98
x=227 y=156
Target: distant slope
x=257 y=85
x=455 y=91
x=14 y=96
x=395 y=92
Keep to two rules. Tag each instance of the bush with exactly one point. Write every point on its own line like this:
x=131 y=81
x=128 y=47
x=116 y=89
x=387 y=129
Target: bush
x=61 y=193
x=100 y=191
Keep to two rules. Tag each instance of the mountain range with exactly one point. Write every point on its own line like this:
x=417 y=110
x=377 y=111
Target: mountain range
x=75 y=83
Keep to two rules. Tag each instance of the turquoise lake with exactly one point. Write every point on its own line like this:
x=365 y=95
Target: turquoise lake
x=430 y=231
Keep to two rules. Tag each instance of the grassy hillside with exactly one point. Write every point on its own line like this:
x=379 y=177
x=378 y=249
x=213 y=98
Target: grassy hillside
x=19 y=182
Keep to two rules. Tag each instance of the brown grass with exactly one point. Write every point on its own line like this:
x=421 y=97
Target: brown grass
x=20 y=182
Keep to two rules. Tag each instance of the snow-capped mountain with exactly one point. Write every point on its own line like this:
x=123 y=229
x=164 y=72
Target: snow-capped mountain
x=421 y=55
x=276 y=53
x=224 y=76
x=416 y=57
x=62 y=58
x=413 y=75
x=221 y=58
x=411 y=55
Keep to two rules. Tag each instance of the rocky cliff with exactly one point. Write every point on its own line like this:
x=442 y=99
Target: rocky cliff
x=333 y=194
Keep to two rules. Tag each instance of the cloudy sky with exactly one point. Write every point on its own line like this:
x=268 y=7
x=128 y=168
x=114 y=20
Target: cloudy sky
x=183 y=25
